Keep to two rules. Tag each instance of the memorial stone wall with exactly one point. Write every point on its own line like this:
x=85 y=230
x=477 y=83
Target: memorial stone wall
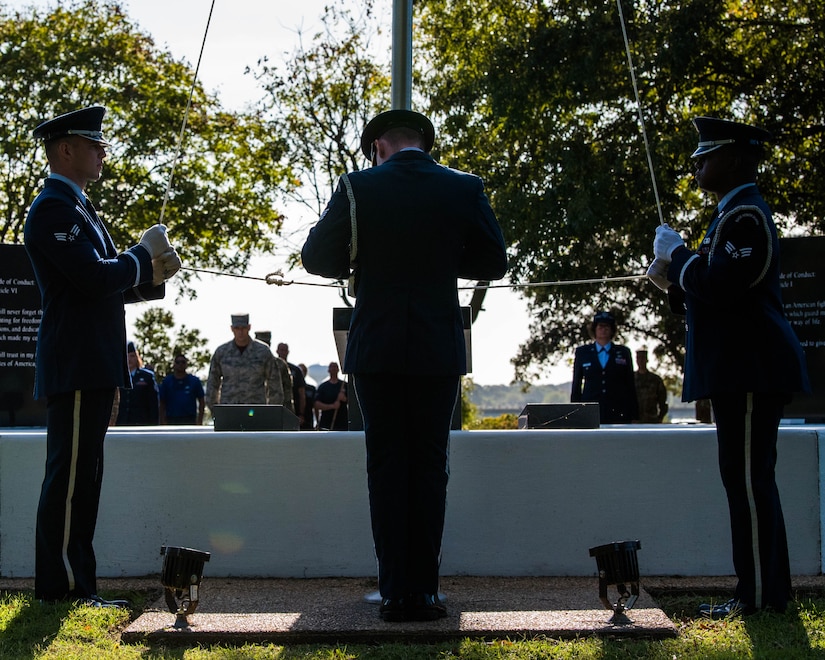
x=20 y=314
x=803 y=295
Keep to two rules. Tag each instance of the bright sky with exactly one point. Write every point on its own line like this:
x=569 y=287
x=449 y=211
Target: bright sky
x=240 y=33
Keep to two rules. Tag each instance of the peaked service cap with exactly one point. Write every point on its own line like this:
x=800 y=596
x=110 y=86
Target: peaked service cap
x=715 y=133
x=604 y=317
x=383 y=122
x=87 y=123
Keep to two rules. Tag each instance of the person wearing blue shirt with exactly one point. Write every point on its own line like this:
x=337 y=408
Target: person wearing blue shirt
x=603 y=374
x=181 y=395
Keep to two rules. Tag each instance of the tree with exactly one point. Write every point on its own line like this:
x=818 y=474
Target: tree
x=158 y=341
x=320 y=100
x=536 y=97
x=321 y=103
x=227 y=181
x=469 y=410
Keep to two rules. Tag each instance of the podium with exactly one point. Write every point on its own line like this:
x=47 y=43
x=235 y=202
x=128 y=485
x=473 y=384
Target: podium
x=559 y=416
x=253 y=417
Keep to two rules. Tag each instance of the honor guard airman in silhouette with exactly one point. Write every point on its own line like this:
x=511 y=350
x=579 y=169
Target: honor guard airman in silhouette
x=84 y=282
x=414 y=227
x=741 y=352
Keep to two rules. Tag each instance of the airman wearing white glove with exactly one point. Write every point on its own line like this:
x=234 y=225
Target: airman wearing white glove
x=155 y=240
x=165 y=266
x=657 y=273
x=666 y=241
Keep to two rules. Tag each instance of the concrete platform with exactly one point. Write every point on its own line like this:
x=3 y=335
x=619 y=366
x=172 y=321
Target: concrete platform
x=334 y=610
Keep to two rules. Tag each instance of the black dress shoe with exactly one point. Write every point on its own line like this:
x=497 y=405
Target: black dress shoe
x=393 y=609
x=733 y=607
x=425 y=607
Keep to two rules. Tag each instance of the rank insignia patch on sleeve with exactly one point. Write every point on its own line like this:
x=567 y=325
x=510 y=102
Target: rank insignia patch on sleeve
x=737 y=253
x=69 y=236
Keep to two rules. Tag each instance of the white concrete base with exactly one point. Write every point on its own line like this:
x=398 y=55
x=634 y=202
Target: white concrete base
x=520 y=503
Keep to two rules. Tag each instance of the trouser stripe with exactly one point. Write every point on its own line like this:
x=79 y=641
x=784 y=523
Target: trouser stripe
x=67 y=523
x=757 y=562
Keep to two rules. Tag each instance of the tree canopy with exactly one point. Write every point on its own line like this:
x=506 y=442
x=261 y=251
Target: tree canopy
x=533 y=95
x=320 y=99
x=536 y=96
x=230 y=176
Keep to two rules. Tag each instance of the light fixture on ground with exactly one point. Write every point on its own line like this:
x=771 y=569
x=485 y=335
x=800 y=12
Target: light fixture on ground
x=181 y=577
x=618 y=565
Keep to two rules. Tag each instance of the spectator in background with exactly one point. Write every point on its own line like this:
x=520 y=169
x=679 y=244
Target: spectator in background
x=603 y=373
x=138 y=405
x=283 y=370
x=651 y=392
x=181 y=396
x=704 y=411
x=298 y=384
x=310 y=391
x=286 y=382
x=243 y=370
x=331 y=402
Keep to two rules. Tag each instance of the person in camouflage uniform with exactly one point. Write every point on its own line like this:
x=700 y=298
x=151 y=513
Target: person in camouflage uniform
x=286 y=382
x=243 y=370
x=285 y=373
x=650 y=392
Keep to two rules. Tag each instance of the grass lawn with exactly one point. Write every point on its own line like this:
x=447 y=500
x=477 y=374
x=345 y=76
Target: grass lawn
x=30 y=630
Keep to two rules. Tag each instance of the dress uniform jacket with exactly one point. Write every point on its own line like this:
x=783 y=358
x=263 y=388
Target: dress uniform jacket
x=612 y=386
x=743 y=355
x=81 y=360
x=138 y=406
x=407 y=317
x=420 y=227
x=738 y=339
x=84 y=284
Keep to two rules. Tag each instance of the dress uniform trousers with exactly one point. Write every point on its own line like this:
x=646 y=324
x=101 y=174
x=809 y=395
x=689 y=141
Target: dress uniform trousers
x=746 y=427
x=67 y=511
x=407 y=421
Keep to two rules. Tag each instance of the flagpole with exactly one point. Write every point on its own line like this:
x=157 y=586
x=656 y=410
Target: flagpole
x=402 y=54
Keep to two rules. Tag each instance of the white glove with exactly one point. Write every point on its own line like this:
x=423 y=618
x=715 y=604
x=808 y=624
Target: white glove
x=666 y=242
x=155 y=240
x=165 y=266
x=657 y=273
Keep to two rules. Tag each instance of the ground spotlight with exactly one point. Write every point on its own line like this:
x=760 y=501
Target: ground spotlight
x=181 y=577
x=618 y=565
